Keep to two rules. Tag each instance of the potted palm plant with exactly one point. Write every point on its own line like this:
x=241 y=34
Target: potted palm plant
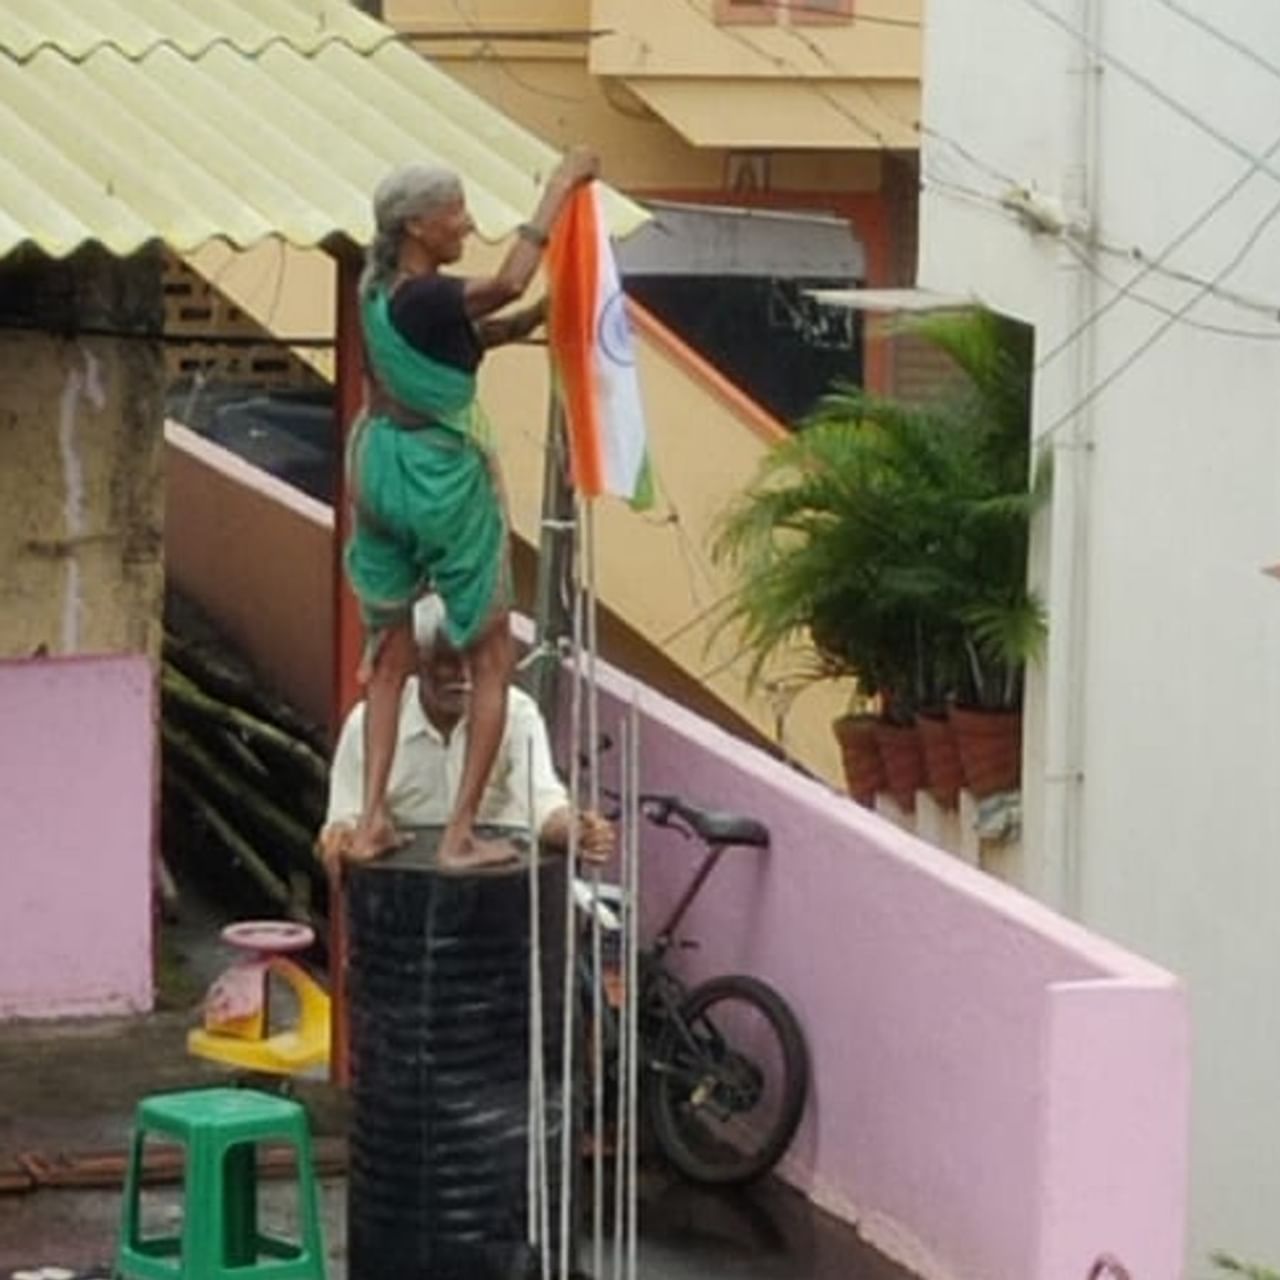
x=894 y=537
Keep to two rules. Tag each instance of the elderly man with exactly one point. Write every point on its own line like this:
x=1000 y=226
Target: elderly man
x=430 y=753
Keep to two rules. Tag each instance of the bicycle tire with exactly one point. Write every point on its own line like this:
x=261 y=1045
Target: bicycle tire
x=665 y=1107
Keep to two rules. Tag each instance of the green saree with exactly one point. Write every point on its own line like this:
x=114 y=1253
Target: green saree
x=426 y=511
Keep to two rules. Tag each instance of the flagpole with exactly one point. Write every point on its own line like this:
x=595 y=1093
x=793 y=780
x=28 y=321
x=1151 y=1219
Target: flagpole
x=597 y=962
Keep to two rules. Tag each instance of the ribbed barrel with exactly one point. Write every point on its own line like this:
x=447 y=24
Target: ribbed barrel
x=439 y=1035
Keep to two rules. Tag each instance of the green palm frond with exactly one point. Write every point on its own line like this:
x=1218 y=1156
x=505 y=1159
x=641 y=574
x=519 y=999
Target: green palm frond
x=894 y=535
x=1227 y=1262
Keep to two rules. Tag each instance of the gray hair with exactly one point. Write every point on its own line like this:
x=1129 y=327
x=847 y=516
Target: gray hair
x=410 y=191
x=429 y=620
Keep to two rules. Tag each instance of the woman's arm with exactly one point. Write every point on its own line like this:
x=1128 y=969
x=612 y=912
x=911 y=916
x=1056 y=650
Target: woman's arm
x=497 y=331
x=486 y=295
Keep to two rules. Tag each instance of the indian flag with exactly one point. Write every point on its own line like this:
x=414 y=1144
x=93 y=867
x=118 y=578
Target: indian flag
x=593 y=353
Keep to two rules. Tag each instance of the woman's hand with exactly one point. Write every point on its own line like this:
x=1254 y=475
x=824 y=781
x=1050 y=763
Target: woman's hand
x=579 y=165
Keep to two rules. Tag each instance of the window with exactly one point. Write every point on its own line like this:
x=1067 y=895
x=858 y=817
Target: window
x=747 y=12
x=816 y=12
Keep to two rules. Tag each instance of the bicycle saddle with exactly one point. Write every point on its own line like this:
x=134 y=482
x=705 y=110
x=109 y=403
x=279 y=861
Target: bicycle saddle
x=717 y=827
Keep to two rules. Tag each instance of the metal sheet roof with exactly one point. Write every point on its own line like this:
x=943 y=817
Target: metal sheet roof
x=126 y=121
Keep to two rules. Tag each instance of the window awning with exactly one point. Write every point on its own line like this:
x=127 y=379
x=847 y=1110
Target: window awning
x=141 y=120
x=706 y=240
x=760 y=114
x=915 y=300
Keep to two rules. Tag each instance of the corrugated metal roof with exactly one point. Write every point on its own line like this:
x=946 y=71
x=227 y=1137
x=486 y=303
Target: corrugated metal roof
x=132 y=120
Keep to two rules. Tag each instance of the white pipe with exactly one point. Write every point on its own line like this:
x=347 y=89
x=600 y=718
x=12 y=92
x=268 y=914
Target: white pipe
x=1059 y=878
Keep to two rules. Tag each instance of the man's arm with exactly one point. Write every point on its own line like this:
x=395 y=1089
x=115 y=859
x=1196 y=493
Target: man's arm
x=552 y=814
x=595 y=834
x=346 y=784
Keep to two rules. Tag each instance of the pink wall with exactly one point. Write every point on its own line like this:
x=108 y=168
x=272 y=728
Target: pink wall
x=997 y=1094
x=257 y=555
x=77 y=771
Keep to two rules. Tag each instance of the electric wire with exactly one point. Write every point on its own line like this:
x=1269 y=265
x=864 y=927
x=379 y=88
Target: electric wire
x=1163 y=328
x=1149 y=86
x=1126 y=290
x=1216 y=33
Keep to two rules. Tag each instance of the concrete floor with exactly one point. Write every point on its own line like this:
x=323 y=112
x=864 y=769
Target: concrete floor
x=71 y=1088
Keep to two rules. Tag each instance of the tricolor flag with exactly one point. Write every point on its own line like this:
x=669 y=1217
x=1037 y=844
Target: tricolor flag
x=594 y=356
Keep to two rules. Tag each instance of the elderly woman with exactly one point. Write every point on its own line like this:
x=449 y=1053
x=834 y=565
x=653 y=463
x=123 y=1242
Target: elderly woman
x=427 y=500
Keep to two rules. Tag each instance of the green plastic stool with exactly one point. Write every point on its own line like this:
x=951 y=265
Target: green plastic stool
x=220 y=1240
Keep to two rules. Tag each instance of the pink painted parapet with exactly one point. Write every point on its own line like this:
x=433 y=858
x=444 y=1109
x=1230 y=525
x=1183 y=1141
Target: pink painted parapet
x=997 y=1094
x=77 y=777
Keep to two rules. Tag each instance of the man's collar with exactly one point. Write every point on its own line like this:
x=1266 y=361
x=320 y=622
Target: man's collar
x=413 y=719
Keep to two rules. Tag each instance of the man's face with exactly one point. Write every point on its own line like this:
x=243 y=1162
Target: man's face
x=445 y=687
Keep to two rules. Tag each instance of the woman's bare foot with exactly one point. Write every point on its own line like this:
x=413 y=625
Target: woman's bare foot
x=376 y=836
x=465 y=851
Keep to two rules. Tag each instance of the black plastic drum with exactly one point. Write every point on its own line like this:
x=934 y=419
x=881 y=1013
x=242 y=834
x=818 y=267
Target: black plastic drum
x=438 y=973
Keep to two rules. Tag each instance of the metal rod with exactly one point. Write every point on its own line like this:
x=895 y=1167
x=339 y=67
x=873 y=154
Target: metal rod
x=571 y=941
x=597 y=960
x=624 y=1030
x=539 y=1208
x=633 y=984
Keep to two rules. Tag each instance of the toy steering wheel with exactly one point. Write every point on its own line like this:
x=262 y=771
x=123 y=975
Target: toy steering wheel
x=269 y=935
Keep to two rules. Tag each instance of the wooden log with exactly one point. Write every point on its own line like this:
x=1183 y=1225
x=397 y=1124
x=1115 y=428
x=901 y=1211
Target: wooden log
x=186 y=692
x=296 y=843
x=275 y=889
x=217 y=673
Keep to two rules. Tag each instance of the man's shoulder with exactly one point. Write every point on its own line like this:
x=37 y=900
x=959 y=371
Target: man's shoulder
x=521 y=708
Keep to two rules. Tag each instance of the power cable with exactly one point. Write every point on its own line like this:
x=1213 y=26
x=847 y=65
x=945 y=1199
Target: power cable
x=1232 y=42
x=1205 y=326
x=1159 y=332
x=1134 y=255
x=1149 y=86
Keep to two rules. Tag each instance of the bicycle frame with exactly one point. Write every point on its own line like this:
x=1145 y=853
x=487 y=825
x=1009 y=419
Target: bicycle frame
x=666 y=934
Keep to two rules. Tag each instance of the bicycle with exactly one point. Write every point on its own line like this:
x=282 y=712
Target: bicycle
x=724 y=1064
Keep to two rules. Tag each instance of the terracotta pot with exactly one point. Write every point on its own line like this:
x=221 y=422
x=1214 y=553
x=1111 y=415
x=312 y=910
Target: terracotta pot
x=943 y=774
x=903 y=762
x=863 y=771
x=990 y=746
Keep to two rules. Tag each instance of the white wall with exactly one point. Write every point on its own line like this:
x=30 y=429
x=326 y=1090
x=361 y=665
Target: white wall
x=1153 y=730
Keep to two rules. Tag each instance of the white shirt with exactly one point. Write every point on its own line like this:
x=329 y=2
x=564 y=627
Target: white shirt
x=426 y=770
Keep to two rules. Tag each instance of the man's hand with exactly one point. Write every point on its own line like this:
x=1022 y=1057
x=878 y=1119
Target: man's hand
x=334 y=844
x=596 y=837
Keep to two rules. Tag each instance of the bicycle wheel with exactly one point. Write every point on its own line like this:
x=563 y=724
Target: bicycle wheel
x=727 y=1080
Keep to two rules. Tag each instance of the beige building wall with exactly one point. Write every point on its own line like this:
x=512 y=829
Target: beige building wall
x=257 y=556
x=665 y=93
x=656 y=578
x=81 y=492
x=545 y=64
